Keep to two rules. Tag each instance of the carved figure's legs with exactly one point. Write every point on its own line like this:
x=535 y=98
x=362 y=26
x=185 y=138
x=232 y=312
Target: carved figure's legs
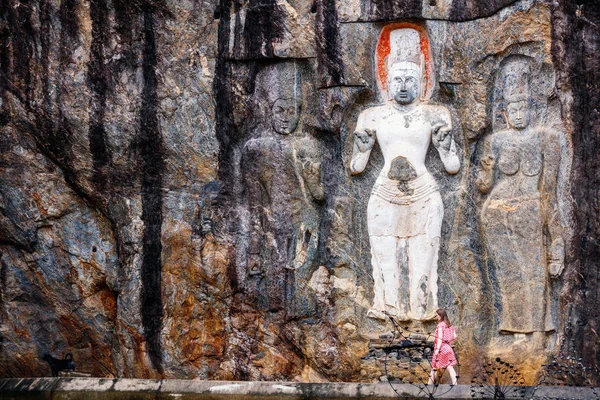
x=423 y=253
x=405 y=241
x=385 y=273
x=514 y=237
x=423 y=260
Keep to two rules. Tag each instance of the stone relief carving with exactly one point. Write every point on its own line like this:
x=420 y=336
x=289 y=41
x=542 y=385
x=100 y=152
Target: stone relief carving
x=405 y=210
x=520 y=216
x=281 y=170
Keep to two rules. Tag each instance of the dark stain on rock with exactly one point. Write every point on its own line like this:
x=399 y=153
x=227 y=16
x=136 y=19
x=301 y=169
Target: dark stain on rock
x=46 y=11
x=20 y=39
x=329 y=59
x=576 y=58
x=237 y=30
x=98 y=81
x=463 y=10
x=3 y=286
x=5 y=72
x=58 y=139
x=48 y=105
x=20 y=42
x=460 y=10
x=226 y=130
x=264 y=24
x=126 y=17
x=254 y=35
x=401 y=170
x=222 y=82
x=385 y=10
x=152 y=165
x=69 y=23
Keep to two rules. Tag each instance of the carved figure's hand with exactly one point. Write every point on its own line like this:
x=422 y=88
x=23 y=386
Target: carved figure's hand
x=555 y=268
x=556 y=265
x=487 y=163
x=441 y=137
x=311 y=172
x=365 y=140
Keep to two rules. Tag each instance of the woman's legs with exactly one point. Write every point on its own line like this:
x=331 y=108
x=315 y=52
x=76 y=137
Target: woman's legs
x=432 y=377
x=452 y=374
x=451 y=371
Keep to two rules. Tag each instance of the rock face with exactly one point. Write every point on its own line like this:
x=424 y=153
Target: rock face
x=177 y=197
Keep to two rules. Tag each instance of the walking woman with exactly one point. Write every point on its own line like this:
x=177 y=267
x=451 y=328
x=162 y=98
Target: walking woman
x=443 y=355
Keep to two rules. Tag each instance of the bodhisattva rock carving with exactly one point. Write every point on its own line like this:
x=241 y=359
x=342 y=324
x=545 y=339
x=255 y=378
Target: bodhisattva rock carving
x=282 y=179
x=405 y=210
x=520 y=218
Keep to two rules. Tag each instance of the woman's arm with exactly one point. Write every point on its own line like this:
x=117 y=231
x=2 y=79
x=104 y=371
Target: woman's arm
x=438 y=339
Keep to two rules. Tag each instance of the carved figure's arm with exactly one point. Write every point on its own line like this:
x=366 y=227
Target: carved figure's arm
x=485 y=177
x=310 y=155
x=552 y=160
x=364 y=140
x=312 y=177
x=444 y=143
x=253 y=196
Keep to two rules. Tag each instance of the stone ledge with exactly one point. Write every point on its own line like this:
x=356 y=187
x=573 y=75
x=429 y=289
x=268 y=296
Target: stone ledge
x=133 y=389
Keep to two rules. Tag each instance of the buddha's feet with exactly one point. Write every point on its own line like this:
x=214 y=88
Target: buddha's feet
x=376 y=314
x=430 y=316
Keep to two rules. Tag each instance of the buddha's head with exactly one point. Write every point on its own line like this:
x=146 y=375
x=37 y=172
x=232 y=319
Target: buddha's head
x=285 y=114
x=405 y=66
x=404 y=82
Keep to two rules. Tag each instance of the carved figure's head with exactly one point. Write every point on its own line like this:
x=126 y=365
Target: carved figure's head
x=517 y=114
x=516 y=74
x=404 y=82
x=405 y=63
x=285 y=114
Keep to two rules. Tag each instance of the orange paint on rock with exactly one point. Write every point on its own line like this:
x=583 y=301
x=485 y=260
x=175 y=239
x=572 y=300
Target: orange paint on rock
x=383 y=50
x=40 y=203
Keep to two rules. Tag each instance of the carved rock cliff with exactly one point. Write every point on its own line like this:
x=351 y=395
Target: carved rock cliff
x=176 y=200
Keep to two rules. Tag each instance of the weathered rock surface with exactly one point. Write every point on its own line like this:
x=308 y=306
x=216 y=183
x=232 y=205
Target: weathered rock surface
x=176 y=200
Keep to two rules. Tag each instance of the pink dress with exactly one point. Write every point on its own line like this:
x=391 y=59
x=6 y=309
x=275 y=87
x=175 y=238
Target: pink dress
x=445 y=356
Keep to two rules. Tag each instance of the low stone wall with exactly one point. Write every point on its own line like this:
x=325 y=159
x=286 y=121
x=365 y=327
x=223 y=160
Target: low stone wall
x=134 y=389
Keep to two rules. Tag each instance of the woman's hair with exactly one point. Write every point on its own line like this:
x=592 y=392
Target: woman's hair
x=444 y=316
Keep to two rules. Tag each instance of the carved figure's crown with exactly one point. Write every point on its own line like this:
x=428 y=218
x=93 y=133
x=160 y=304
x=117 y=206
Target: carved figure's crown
x=279 y=81
x=405 y=46
x=515 y=81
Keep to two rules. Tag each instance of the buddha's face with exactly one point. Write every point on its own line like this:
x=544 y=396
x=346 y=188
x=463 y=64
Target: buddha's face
x=405 y=84
x=285 y=115
x=517 y=114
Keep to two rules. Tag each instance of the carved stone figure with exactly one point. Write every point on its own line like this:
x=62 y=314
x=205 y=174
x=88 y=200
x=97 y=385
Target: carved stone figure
x=405 y=210
x=282 y=178
x=520 y=218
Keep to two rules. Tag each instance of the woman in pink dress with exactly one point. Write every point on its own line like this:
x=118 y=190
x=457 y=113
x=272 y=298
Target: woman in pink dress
x=443 y=355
